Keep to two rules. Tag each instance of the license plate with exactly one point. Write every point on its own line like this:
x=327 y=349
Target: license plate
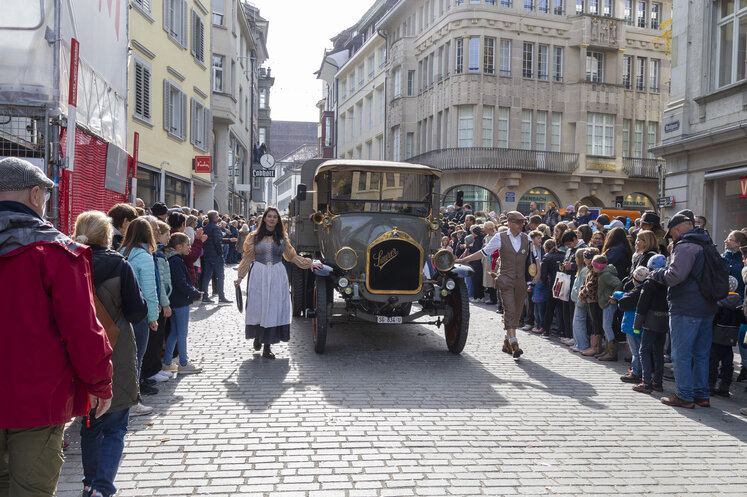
x=389 y=320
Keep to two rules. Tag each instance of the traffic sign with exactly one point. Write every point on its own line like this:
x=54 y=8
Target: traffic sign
x=665 y=202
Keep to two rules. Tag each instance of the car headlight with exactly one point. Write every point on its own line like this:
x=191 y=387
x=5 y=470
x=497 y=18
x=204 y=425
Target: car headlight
x=443 y=260
x=435 y=225
x=450 y=284
x=346 y=258
x=343 y=282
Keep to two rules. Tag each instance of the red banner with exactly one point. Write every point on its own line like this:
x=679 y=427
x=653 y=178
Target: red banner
x=743 y=187
x=72 y=98
x=203 y=164
x=135 y=152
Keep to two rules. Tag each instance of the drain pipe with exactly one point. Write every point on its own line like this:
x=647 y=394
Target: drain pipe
x=55 y=144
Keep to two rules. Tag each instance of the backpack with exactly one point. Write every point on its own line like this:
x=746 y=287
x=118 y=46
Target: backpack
x=714 y=282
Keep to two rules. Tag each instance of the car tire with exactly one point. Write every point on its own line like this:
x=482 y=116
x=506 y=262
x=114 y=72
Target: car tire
x=320 y=314
x=456 y=331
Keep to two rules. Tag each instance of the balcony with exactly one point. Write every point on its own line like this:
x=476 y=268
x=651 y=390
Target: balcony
x=503 y=159
x=600 y=32
x=636 y=167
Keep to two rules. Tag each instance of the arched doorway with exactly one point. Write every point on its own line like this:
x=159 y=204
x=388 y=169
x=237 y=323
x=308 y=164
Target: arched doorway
x=538 y=194
x=638 y=201
x=591 y=202
x=481 y=199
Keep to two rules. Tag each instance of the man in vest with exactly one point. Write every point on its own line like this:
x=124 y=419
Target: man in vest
x=514 y=250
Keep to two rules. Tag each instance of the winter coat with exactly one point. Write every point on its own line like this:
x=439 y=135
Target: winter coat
x=589 y=288
x=184 y=293
x=164 y=277
x=734 y=265
x=570 y=256
x=583 y=220
x=682 y=274
x=213 y=247
x=627 y=303
x=550 y=267
x=54 y=349
x=145 y=271
x=652 y=312
x=728 y=319
x=117 y=289
x=620 y=257
x=608 y=284
x=552 y=217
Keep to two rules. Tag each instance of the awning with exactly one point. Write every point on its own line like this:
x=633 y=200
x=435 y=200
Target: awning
x=726 y=172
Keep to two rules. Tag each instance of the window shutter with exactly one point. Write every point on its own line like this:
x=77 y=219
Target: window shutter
x=146 y=92
x=193 y=49
x=206 y=129
x=139 y=89
x=201 y=39
x=183 y=102
x=193 y=120
x=166 y=106
x=185 y=25
x=166 y=11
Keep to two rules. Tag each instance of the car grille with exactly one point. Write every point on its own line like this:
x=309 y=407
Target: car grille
x=394 y=265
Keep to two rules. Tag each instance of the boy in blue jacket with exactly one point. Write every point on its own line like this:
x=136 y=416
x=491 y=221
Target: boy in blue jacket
x=182 y=295
x=627 y=303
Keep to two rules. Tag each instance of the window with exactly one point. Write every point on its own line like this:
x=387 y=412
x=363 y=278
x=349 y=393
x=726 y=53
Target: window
x=344 y=90
x=361 y=78
x=218 y=73
x=627 y=71
x=638 y=139
x=608 y=8
x=398 y=82
x=487 y=126
x=626 y=138
x=175 y=19
x=200 y=132
x=382 y=104
x=540 y=130
x=241 y=104
x=730 y=42
x=503 y=113
x=488 y=59
x=600 y=134
x=396 y=143
x=410 y=140
x=651 y=138
x=594 y=67
x=640 y=15
x=143 y=4
x=459 y=46
x=529 y=5
x=262 y=136
x=628 y=12
x=142 y=89
x=198 y=37
x=640 y=77
x=474 y=54
x=359 y=115
x=543 y=6
x=505 y=57
x=174 y=110
x=466 y=126
x=369 y=111
x=506 y=3
x=410 y=83
x=219 y=11
x=382 y=57
x=526 y=129
x=263 y=98
x=653 y=75
x=555 y=131
x=558 y=64
x=655 y=15
x=579 y=6
x=594 y=7
x=528 y=60
x=543 y=53
x=363 y=178
x=371 y=65
x=558 y=7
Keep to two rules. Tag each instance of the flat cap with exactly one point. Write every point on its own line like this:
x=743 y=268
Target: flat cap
x=516 y=217
x=679 y=218
x=650 y=217
x=18 y=174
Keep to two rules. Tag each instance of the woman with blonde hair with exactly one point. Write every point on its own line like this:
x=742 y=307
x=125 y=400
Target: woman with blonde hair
x=102 y=438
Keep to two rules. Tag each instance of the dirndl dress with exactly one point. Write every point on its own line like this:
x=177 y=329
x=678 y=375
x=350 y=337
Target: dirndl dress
x=268 y=306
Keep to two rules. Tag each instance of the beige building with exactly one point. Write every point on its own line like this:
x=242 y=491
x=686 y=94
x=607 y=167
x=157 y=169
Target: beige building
x=515 y=101
x=169 y=100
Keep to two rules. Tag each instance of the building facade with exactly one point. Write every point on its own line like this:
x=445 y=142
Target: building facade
x=514 y=101
x=705 y=124
x=169 y=100
x=262 y=186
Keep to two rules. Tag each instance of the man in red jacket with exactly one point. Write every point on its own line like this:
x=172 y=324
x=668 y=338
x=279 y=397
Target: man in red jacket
x=55 y=354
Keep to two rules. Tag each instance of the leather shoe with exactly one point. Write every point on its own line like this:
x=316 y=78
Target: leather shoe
x=678 y=402
x=702 y=402
x=257 y=344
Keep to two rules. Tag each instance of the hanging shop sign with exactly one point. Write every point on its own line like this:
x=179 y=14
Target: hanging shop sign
x=743 y=187
x=203 y=164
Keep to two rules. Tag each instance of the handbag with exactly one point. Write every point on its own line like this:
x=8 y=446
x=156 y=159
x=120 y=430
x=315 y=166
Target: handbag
x=539 y=293
x=561 y=288
x=725 y=335
x=110 y=327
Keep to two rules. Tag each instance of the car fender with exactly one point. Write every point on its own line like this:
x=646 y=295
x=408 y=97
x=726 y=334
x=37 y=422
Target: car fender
x=461 y=271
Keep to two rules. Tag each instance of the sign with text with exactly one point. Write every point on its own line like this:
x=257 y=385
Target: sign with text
x=601 y=166
x=263 y=173
x=662 y=202
x=510 y=196
x=203 y=164
x=743 y=187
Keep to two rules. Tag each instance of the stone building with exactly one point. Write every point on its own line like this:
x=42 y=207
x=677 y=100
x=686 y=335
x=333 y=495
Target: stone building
x=514 y=101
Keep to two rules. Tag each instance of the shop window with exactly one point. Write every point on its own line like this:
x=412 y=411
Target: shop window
x=177 y=192
x=148 y=186
x=538 y=194
x=481 y=199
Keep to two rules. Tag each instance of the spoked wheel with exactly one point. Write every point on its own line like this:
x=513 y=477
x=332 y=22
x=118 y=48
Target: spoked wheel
x=456 y=330
x=297 y=290
x=320 y=314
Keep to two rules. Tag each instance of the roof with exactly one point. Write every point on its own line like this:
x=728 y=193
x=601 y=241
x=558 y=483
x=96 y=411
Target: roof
x=375 y=165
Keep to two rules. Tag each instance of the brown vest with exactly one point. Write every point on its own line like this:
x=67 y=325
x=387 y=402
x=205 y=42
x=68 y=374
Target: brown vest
x=513 y=264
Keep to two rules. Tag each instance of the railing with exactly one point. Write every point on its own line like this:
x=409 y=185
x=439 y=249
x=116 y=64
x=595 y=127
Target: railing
x=635 y=167
x=506 y=159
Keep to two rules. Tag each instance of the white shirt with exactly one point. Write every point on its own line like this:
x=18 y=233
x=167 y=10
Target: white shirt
x=495 y=243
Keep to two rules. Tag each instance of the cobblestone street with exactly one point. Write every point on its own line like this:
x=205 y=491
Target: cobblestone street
x=388 y=411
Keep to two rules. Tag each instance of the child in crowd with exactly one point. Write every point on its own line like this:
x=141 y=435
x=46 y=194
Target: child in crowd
x=445 y=244
x=580 y=333
x=609 y=282
x=726 y=323
x=183 y=294
x=627 y=302
x=152 y=360
x=588 y=295
x=652 y=318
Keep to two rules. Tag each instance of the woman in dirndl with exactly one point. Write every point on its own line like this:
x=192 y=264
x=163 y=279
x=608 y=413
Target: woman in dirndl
x=268 y=308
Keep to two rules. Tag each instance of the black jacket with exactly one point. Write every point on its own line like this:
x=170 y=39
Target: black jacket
x=213 y=246
x=652 y=312
x=182 y=293
x=550 y=267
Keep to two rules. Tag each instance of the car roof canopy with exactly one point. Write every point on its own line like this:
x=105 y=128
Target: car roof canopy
x=375 y=166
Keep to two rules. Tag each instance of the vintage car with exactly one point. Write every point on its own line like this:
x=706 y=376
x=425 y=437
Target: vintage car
x=375 y=227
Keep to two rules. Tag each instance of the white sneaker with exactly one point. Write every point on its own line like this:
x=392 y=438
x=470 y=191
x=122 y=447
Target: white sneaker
x=159 y=377
x=189 y=369
x=140 y=410
x=173 y=367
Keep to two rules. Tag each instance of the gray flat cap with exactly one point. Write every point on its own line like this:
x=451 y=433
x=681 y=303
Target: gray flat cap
x=18 y=174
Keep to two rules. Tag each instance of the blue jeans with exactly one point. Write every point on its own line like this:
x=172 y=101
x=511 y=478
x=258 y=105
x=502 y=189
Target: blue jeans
x=470 y=289
x=178 y=335
x=142 y=331
x=580 y=333
x=102 y=444
x=608 y=315
x=539 y=314
x=691 y=347
x=634 y=343
x=212 y=265
x=742 y=347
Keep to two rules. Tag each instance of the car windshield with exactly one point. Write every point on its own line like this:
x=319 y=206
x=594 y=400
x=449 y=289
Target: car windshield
x=370 y=191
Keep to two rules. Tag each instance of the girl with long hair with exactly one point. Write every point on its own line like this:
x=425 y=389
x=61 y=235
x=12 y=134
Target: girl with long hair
x=268 y=313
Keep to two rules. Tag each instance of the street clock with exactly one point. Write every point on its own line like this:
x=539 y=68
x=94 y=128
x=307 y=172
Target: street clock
x=267 y=161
